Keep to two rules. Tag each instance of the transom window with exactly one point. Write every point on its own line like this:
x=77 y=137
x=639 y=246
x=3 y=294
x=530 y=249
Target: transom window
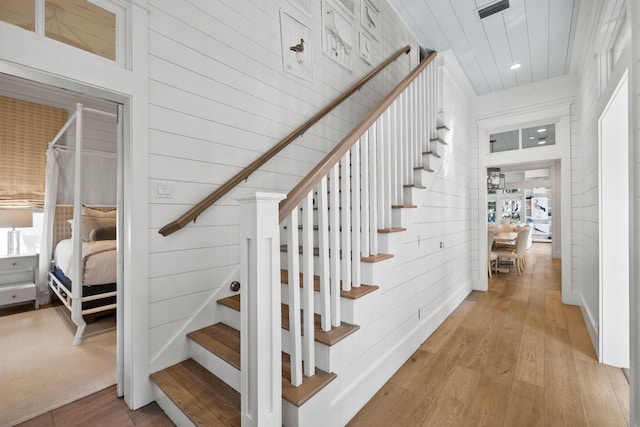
x=533 y=137
x=90 y=25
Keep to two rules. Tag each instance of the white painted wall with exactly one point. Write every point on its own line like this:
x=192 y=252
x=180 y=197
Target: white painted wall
x=594 y=92
x=218 y=98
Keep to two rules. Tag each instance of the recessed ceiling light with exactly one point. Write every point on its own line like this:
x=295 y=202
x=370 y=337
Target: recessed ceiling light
x=541 y=130
x=532 y=137
x=516 y=66
x=542 y=141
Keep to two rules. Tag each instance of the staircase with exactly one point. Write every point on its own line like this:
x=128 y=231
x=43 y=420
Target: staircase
x=340 y=228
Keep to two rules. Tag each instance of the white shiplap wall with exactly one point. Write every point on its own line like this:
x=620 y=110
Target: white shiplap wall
x=219 y=99
x=596 y=86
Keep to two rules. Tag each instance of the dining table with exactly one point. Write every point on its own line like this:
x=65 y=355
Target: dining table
x=505 y=237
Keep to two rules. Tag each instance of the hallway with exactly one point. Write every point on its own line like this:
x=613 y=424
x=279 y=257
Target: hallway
x=513 y=356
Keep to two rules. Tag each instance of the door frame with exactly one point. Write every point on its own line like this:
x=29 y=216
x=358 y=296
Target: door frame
x=29 y=56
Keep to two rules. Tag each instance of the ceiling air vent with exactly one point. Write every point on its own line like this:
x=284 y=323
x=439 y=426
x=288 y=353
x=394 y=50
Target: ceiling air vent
x=493 y=8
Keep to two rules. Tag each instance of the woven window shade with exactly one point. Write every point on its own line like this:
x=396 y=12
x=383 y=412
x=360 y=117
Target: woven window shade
x=26 y=128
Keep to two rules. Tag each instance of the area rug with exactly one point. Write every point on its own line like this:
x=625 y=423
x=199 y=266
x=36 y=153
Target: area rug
x=39 y=368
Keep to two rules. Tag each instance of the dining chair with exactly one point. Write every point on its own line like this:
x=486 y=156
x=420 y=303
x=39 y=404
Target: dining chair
x=492 y=257
x=517 y=253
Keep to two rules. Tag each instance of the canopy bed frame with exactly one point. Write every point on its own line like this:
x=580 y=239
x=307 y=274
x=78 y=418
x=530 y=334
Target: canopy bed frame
x=97 y=293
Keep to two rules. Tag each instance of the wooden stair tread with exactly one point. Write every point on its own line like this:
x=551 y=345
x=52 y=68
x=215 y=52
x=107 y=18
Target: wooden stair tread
x=310 y=385
x=354 y=293
x=377 y=258
x=391 y=230
x=221 y=340
x=295 y=395
x=372 y=258
x=405 y=206
x=204 y=398
x=433 y=153
x=414 y=186
x=440 y=140
x=331 y=337
x=425 y=168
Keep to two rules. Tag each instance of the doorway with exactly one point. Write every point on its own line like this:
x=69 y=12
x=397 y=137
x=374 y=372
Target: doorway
x=613 y=168
x=101 y=133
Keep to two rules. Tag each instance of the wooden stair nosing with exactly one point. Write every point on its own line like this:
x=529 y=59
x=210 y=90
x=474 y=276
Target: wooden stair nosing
x=354 y=293
x=440 y=140
x=310 y=385
x=442 y=127
x=405 y=206
x=331 y=337
x=391 y=230
x=204 y=398
x=425 y=168
x=377 y=258
x=433 y=153
x=295 y=395
x=414 y=186
x=369 y=259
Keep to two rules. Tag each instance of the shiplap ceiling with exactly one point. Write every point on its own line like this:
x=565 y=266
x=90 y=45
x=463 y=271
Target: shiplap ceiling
x=535 y=33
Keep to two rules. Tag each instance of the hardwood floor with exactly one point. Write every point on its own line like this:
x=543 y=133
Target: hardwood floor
x=513 y=356
x=102 y=409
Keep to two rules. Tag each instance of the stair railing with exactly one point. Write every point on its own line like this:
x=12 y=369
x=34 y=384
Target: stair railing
x=349 y=195
x=352 y=192
x=193 y=213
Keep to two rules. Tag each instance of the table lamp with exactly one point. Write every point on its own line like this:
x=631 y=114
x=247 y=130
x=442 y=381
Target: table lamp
x=15 y=218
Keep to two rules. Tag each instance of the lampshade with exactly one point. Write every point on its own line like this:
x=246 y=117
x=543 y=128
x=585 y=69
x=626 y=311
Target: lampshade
x=16 y=218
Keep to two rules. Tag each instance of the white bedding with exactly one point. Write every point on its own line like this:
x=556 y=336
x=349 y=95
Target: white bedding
x=99 y=259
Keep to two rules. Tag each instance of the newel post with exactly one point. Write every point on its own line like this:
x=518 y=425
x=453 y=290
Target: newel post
x=260 y=342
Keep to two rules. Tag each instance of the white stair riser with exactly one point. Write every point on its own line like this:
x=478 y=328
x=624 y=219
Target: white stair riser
x=227 y=373
x=348 y=307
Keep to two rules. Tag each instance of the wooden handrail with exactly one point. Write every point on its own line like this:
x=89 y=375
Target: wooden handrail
x=193 y=213
x=309 y=182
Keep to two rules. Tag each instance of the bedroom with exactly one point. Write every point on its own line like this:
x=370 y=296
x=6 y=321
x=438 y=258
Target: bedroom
x=32 y=340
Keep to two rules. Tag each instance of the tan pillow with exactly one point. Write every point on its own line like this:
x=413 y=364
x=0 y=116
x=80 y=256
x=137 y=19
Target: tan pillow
x=98 y=213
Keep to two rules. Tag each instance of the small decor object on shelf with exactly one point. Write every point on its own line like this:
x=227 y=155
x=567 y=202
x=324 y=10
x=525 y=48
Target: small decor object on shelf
x=15 y=218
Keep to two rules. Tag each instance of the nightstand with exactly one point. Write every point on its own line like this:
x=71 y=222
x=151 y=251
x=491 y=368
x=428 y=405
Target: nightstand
x=17 y=279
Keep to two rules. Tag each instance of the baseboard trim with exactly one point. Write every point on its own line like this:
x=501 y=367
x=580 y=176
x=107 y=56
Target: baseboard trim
x=591 y=324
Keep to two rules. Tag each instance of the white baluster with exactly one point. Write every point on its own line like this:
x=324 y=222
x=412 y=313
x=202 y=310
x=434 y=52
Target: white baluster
x=323 y=249
x=365 y=192
x=308 y=322
x=334 y=242
x=345 y=185
x=295 y=328
x=355 y=216
x=374 y=133
x=388 y=158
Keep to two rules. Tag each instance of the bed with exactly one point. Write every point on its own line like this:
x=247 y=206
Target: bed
x=99 y=262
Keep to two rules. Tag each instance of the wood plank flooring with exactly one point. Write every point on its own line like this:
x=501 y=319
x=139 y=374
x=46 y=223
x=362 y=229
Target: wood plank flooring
x=513 y=356
x=102 y=409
